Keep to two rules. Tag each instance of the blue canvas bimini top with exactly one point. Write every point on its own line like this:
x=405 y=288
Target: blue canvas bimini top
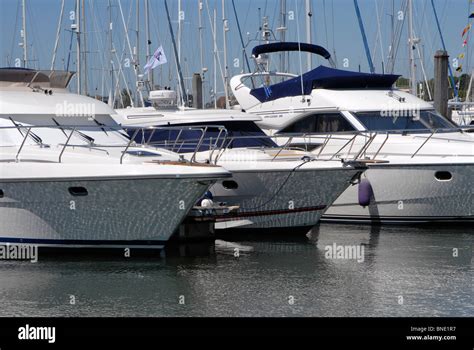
x=324 y=78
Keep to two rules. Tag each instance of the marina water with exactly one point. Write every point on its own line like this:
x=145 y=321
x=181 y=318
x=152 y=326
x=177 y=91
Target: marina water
x=406 y=271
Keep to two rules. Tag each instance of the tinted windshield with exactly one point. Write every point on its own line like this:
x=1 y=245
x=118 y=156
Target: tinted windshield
x=246 y=134
x=420 y=120
x=319 y=123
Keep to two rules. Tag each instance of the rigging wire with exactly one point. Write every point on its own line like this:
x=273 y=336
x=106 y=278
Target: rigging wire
x=98 y=40
x=444 y=48
x=299 y=50
x=325 y=23
x=14 y=28
x=333 y=35
x=241 y=37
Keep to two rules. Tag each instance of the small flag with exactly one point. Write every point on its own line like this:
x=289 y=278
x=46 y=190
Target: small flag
x=157 y=59
x=471 y=15
x=461 y=56
x=466 y=29
x=459 y=69
x=268 y=91
x=464 y=43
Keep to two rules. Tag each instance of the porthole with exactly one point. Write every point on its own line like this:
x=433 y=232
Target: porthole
x=230 y=185
x=1 y=193
x=443 y=176
x=78 y=191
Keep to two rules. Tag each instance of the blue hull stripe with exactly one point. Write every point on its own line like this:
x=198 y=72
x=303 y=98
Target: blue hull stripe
x=73 y=242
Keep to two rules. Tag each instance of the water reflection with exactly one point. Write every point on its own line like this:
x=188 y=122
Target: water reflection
x=417 y=264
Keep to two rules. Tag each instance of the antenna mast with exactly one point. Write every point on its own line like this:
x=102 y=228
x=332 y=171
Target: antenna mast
x=411 y=45
x=282 y=30
x=78 y=46
x=25 y=46
x=225 y=29
x=309 y=15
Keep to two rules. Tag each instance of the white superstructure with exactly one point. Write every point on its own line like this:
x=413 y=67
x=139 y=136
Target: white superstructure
x=75 y=180
x=349 y=113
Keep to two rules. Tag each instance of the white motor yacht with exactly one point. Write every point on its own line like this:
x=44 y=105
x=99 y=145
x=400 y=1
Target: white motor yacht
x=344 y=113
x=273 y=187
x=70 y=179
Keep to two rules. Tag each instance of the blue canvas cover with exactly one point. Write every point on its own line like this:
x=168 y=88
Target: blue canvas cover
x=323 y=78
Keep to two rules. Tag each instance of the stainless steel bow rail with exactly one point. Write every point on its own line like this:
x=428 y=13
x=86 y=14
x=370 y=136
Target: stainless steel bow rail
x=219 y=144
x=348 y=140
x=27 y=131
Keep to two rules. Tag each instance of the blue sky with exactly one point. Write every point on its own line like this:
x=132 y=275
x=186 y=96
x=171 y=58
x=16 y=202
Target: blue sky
x=335 y=27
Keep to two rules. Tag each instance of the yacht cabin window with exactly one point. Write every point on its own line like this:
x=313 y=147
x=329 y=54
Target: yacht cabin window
x=236 y=134
x=402 y=120
x=320 y=123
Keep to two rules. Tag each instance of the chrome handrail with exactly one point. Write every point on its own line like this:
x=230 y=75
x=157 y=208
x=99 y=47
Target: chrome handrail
x=326 y=141
x=220 y=144
x=132 y=139
x=366 y=146
x=22 y=144
x=216 y=144
x=282 y=148
x=175 y=141
x=340 y=149
x=424 y=143
x=381 y=146
x=65 y=145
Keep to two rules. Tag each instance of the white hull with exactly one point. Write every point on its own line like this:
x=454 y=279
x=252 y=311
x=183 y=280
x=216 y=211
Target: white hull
x=281 y=199
x=410 y=194
x=118 y=211
x=424 y=198
x=401 y=193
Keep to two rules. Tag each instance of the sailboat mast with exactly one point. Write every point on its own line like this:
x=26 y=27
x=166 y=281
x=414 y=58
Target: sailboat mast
x=309 y=15
x=201 y=53
x=411 y=43
x=225 y=29
x=201 y=49
x=176 y=56
x=392 y=36
x=147 y=33
x=214 y=32
x=84 y=49
x=182 y=98
x=137 y=20
x=364 y=37
x=137 y=53
x=282 y=30
x=25 y=42
x=111 y=101
x=78 y=46
x=58 y=32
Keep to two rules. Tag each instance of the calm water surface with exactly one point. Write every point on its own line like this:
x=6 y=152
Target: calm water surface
x=406 y=272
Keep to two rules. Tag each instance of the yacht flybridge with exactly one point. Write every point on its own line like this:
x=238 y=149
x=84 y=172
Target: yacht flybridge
x=273 y=187
x=71 y=178
x=336 y=114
